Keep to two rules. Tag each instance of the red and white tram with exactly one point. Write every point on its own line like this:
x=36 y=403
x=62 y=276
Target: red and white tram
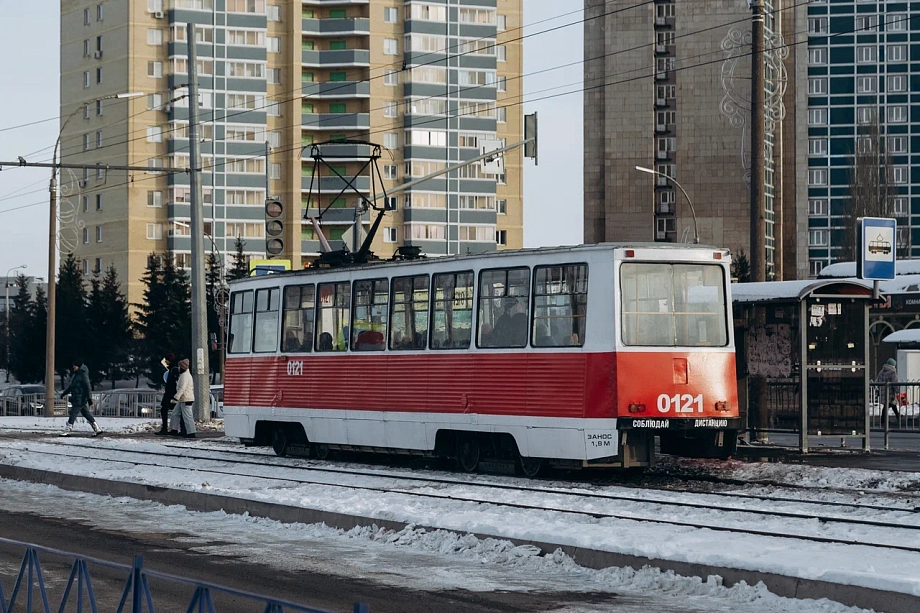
x=572 y=356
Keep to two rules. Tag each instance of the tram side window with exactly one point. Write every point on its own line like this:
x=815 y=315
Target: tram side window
x=409 y=321
x=504 y=303
x=332 y=317
x=298 y=318
x=452 y=315
x=560 y=296
x=369 y=316
x=673 y=305
x=240 y=340
x=267 y=315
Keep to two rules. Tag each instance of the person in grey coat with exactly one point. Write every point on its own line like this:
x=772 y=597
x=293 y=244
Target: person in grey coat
x=182 y=409
x=80 y=398
x=889 y=374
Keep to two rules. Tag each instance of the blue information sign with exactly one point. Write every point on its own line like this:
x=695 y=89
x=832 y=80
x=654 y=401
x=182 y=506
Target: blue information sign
x=876 y=248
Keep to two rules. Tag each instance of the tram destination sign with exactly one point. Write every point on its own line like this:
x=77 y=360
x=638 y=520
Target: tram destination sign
x=876 y=248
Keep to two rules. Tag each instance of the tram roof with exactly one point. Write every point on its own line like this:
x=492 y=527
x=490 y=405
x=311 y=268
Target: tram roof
x=788 y=291
x=910 y=335
x=510 y=253
x=842 y=270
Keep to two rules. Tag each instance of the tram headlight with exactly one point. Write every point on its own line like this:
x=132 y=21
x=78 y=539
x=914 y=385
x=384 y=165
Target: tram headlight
x=636 y=407
x=723 y=406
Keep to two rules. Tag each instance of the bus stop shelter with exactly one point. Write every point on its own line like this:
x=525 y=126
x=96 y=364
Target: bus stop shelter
x=803 y=355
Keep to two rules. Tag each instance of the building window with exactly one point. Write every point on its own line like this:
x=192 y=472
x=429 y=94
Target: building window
x=154 y=134
x=98 y=202
x=501 y=207
x=817 y=117
x=154 y=231
x=815 y=267
x=899 y=174
x=87 y=81
x=274 y=171
x=501 y=238
x=897 y=144
x=98 y=268
x=85 y=267
x=865 y=85
x=896 y=53
x=897 y=113
x=817 y=206
x=155 y=199
x=501 y=114
x=390 y=172
x=153 y=164
x=86 y=20
x=86 y=112
x=274 y=76
x=817 y=146
x=900 y=206
x=85 y=201
x=86 y=48
x=817 y=25
x=155 y=69
x=154 y=101
x=817 y=176
x=817 y=56
x=99 y=75
x=391 y=140
x=817 y=85
x=390 y=109
x=99 y=12
x=391 y=78
x=390 y=46
x=98 y=234
x=896 y=22
x=154 y=37
x=273 y=109
x=897 y=83
x=274 y=139
x=501 y=23
x=390 y=14
x=86 y=236
x=274 y=44
x=390 y=234
x=502 y=84
x=817 y=238
x=99 y=107
x=866 y=54
x=501 y=53
x=87 y=142
x=273 y=12
x=865 y=114
x=866 y=23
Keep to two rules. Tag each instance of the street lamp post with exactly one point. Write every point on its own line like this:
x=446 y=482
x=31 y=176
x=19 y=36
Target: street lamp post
x=8 y=318
x=696 y=229
x=52 y=253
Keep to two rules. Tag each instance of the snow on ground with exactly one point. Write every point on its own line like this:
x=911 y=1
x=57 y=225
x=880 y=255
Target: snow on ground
x=411 y=559
x=858 y=565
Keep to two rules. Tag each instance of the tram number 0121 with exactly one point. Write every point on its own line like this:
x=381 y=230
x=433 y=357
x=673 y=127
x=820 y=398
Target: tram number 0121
x=680 y=403
x=295 y=369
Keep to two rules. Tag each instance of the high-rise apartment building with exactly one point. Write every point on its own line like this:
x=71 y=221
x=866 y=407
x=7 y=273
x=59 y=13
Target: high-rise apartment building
x=429 y=81
x=668 y=88
x=862 y=82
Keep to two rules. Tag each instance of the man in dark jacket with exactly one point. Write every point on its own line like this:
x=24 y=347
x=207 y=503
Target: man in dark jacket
x=80 y=398
x=171 y=379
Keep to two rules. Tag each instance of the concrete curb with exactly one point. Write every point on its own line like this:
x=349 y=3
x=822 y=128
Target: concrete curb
x=791 y=587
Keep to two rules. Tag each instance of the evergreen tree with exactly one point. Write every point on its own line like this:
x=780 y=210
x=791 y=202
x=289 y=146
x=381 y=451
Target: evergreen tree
x=216 y=290
x=71 y=336
x=741 y=268
x=39 y=330
x=110 y=327
x=239 y=268
x=27 y=337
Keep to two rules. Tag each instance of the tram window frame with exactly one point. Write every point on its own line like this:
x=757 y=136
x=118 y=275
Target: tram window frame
x=235 y=299
x=432 y=328
x=504 y=336
x=579 y=330
x=338 y=289
x=357 y=343
x=677 y=329
x=272 y=309
x=305 y=343
x=419 y=337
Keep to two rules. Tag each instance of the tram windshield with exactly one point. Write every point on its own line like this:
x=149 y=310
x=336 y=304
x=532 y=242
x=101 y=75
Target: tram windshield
x=673 y=305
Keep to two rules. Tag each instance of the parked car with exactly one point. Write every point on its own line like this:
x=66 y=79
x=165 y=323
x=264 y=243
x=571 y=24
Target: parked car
x=217 y=401
x=28 y=399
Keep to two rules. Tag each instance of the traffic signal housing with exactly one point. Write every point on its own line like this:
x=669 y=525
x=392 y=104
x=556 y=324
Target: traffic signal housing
x=274 y=227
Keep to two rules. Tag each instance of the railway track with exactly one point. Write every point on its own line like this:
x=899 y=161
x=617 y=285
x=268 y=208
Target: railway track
x=900 y=531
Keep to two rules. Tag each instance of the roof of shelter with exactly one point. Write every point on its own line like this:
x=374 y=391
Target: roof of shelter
x=910 y=335
x=789 y=291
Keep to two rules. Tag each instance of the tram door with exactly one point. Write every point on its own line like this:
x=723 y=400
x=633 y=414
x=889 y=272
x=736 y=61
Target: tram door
x=835 y=331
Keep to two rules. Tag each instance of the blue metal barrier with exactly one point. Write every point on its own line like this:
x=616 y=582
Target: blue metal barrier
x=137 y=588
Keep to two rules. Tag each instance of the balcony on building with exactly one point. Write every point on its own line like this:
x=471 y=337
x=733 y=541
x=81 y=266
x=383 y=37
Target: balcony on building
x=335 y=58
x=663 y=154
x=331 y=184
x=337 y=89
x=662 y=75
x=664 y=22
x=348 y=26
x=336 y=121
x=662 y=103
x=338 y=216
x=662 y=128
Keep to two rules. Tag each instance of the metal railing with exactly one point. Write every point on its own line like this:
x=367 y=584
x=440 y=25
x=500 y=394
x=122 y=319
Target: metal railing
x=30 y=405
x=136 y=597
x=894 y=407
x=113 y=403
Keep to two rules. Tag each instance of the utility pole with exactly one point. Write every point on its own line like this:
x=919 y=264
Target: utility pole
x=199 y=361
x=758 y=145
x=52 y=291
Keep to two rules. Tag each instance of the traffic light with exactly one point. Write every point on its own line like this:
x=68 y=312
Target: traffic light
x=530 y=131
x=274 y=227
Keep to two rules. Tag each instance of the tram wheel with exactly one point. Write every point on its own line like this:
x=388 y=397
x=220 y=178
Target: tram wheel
x=530 y=467
x=322 y=451
x=281 y=440
x=468 y=453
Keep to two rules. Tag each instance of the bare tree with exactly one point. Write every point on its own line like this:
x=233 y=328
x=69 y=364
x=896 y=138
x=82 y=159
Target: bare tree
x=871 y=186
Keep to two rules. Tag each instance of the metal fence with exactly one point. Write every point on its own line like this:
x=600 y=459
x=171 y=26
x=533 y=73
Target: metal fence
x=113 y=403
x=895 y=407
x=29 y=589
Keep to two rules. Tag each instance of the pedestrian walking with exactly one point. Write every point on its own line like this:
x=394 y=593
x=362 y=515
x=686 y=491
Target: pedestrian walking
x=171 y=378
x=80 y=398
x=889 y=374
x=182 y=400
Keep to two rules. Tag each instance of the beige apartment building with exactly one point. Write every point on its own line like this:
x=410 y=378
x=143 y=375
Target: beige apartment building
x=668 y=88
x=427 y=81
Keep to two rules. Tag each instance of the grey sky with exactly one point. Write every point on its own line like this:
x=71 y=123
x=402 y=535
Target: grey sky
x=30 y=78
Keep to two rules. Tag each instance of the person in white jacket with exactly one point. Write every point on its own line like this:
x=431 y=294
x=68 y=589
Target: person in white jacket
x=182 y=409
